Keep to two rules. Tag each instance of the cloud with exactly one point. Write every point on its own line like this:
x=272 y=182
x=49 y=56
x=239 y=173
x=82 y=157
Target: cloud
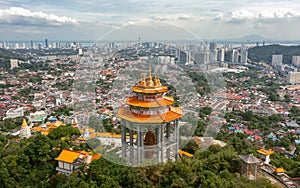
x=266 y=15
x=219 y=17
x=22 y=16
x=183 y=17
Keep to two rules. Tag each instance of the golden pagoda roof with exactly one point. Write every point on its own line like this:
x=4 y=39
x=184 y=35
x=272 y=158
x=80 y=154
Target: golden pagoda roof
x=149 y=85
x=165 y=101
x=24 y=123
x=149 y=89
x=263 y=151
x=174 y=113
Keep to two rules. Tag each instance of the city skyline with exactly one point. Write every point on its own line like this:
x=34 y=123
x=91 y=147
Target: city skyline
x=69 y=20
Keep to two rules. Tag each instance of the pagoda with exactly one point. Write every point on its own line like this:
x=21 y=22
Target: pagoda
x=25 y=130
x=149 y=128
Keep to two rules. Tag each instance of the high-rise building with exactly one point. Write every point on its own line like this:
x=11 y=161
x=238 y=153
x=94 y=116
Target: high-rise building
x=80 y=51
x=244 y=56
x=296 y=60
x=235 y=55
x=221 y=55
x=149 y=128
x=183 y=57
x=31 y=44
x=294 y=77
x=39 y=45
x=14 y=63
x=201 y=58
x=54 y=45
x=277 y=60
x=212 y=46
x=213 y=55
x=17 y=45
x=46 y=43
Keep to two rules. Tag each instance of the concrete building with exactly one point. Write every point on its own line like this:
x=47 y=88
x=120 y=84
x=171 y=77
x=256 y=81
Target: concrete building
x=244 y=56
x=235 y=55
x=14 y=113
x=166 y=60
x=14 y=63
x=294 y=77
x=277 y=60
x=296 y=60
x=221 y=55
x=182 y=56
x=212 y=46
x=213 y=55
x=201 y=58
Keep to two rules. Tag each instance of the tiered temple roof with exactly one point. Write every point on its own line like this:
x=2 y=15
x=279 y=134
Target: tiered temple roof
x=150 y=105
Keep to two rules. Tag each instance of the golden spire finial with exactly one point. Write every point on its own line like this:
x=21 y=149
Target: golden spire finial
x=149 y=70
x=142 y=81
x=156 y=80
x=24 y=123
x=149 y=79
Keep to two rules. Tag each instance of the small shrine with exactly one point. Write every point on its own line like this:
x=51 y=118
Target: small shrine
x=249 y=166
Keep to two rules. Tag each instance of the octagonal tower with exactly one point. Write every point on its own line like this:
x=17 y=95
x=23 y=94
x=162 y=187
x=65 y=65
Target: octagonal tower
x=150 y=130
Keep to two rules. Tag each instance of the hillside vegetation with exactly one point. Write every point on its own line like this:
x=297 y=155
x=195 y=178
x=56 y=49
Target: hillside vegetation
x=264 y=53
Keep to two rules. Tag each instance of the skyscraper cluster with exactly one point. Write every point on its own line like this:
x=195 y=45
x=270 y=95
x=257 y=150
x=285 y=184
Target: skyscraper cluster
x=208 y=53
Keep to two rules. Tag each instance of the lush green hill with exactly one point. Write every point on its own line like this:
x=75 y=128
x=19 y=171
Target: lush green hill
x=6 y=55
x=264 y=53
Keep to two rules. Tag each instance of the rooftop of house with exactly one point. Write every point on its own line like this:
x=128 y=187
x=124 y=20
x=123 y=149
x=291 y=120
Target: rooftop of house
x=70 y=156
x=264 y=151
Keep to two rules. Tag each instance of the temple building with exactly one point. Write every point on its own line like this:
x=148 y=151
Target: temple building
x=265 y=155
x=149 y=128
x=25 y=130
x=70 y=160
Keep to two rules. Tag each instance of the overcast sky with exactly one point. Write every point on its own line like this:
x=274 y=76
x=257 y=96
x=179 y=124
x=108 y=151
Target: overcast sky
x=93 y=19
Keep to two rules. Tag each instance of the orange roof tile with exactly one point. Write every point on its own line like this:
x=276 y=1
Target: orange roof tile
x=185 y=153
x=165 y=101
x=265 y=152
x=150 y=90
x=279 y=170
x=68 y=156
x=54 y=124
x=174 y=113
x=96 y=156
x=37 y=129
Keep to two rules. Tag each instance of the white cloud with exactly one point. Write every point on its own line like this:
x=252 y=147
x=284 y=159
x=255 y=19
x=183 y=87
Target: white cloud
x=219 y=16
x=22 y=16
x=262 y=15
x=183 y=17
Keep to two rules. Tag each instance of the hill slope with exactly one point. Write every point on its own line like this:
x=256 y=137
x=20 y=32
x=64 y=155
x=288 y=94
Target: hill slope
x=264 y=53
x=6 y=55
